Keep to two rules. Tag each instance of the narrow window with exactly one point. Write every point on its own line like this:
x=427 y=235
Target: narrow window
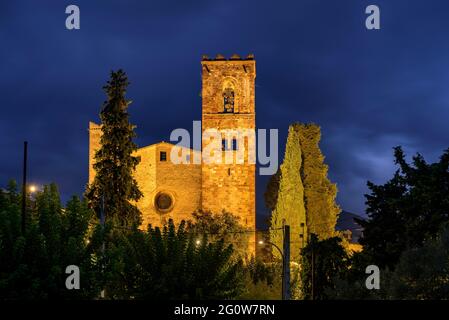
x=223 y=145
x=228 y=100
x=234 y=144
x=163 y=156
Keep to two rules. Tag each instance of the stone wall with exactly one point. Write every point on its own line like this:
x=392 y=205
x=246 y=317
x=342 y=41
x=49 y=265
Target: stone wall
x=229 y=187
x=182 y=182
x=94 y=145
x=213 y=187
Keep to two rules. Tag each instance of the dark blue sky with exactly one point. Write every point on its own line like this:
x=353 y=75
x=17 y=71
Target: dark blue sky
x=316 y=62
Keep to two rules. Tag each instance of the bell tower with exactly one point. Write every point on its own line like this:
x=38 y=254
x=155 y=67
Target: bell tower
x=228 y=109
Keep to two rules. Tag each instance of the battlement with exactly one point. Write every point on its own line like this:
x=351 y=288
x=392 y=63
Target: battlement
x=234 y=57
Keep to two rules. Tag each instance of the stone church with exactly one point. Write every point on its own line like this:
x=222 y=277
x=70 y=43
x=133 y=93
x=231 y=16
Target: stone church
x=177 y=190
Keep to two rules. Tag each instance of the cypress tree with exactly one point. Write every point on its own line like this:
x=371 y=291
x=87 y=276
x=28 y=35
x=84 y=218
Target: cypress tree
x=319 y=192
x=285 y=195
x=114 y=185
x=300 y=192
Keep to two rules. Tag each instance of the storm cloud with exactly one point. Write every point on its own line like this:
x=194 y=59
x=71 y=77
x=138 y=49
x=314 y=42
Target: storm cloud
x=316 y=62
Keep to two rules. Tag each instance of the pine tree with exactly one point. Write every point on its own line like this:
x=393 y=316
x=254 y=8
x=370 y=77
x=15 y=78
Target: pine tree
x=285 y=195
x=319 y=193
x=114 y=185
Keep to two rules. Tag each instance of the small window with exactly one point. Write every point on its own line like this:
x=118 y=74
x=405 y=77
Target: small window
x=225 y=145
x=234 y=144
x=163 y=156
x=228 y=100
x=188 y=158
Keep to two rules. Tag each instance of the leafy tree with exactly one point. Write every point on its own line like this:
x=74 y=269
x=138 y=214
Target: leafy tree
x=285 y=196
x=421 y=273
x=171 y=264
x=221 y=226
x=114 y=186
x=33 y=264
x=407 y=210
x=263 y=281
x=322 y=261
x=350 y=284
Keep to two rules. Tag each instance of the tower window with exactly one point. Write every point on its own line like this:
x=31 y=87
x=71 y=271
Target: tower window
x=234 y=144
x=163 y=156
x=225 y=145
x=228 y=100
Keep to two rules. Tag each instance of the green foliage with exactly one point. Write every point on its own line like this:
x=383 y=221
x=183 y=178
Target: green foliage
x=407 y=210
x=127 y=263
x=285 y=196
x=350 y=284
x=319 y=193
x=263 y=281
x=114 y=186
x=300 y=192
x=170 y=264
x=403 y=235
x=33 y=264
x=221 y=226
x=421 y=273
x=322 y=261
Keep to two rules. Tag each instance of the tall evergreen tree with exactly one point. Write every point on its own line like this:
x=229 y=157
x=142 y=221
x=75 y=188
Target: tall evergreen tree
x=285 y=196
x=407 y=210
x=319 y=192
x=114 y=186
x=300 y=192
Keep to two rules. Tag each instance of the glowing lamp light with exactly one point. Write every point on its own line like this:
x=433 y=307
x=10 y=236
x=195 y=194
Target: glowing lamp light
x=33 y=188
x=261 y=242
x=198 y=242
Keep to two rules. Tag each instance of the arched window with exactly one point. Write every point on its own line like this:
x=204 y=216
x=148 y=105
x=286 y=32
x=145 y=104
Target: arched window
x=228 y=100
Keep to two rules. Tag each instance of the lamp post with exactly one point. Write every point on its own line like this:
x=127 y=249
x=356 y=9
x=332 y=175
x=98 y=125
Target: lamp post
x=261 y=242
x=24 y=183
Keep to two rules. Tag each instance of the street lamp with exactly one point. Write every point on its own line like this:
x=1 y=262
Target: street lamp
x=261 y=242
x=32 y=188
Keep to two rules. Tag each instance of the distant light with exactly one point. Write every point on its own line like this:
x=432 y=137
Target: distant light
x=33 y=188
x=261 y=242
x=198 y=242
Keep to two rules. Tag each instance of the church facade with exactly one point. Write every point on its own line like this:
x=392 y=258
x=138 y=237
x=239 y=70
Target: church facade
x=175 y=190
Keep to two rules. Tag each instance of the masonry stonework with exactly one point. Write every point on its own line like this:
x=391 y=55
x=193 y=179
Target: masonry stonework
x=177 y=190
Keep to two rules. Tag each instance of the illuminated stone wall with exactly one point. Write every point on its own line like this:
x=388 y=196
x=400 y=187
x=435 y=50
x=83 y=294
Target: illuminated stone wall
x=229 y=187
x=213 y=187
x=180 y=182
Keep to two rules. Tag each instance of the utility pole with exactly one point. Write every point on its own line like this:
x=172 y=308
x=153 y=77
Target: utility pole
x=24 y=186
x=286 y=265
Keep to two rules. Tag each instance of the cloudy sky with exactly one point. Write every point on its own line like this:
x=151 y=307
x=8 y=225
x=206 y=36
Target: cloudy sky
x=316 y=62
